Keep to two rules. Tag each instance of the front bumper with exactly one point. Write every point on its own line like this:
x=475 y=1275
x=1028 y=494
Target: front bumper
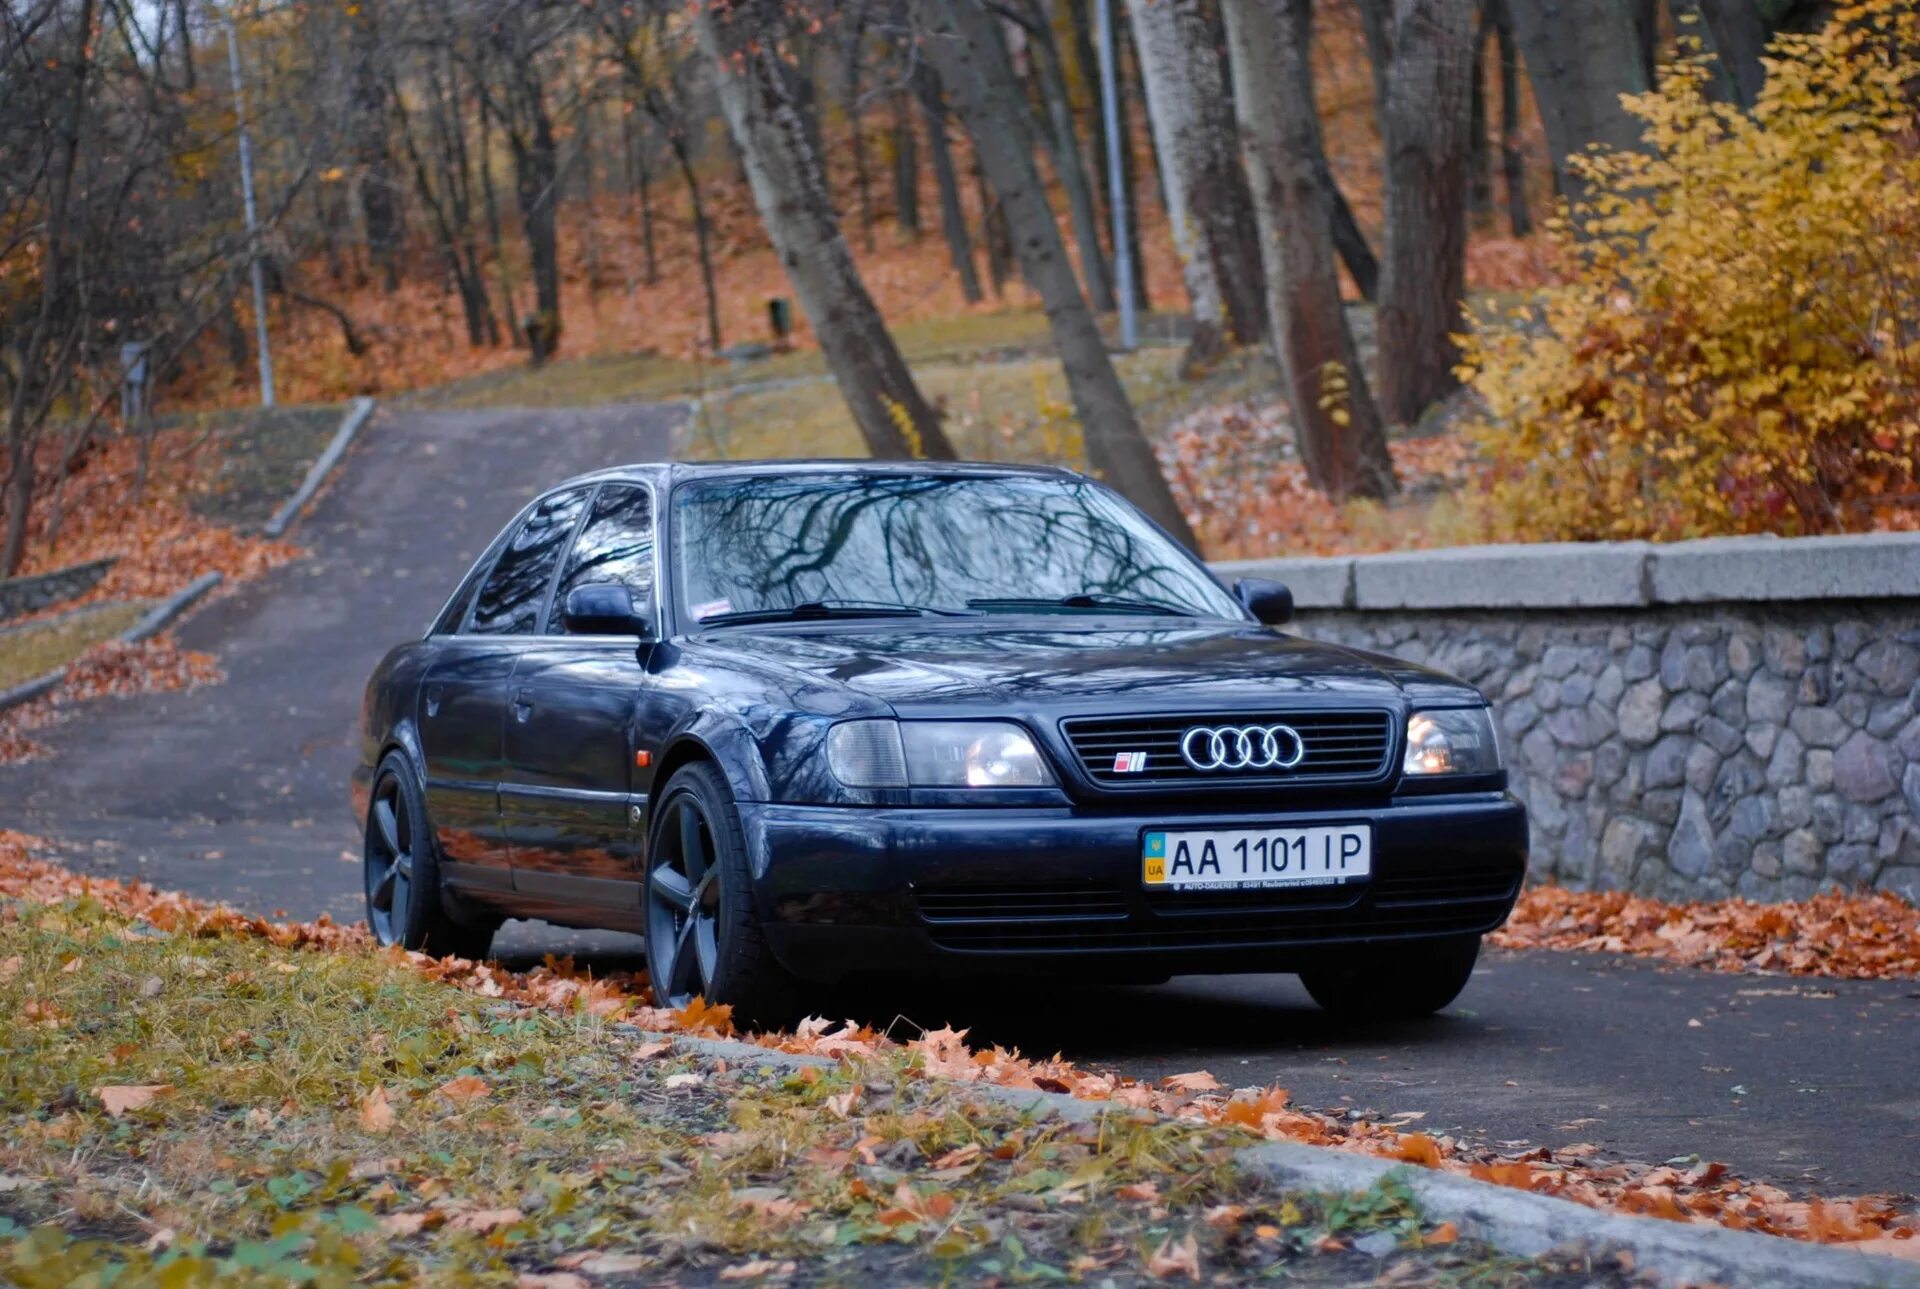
x=843 y=892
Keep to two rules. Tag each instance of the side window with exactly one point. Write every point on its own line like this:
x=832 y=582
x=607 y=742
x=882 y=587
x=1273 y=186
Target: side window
x=510 y=598
x=615 y=546
x=456 y=612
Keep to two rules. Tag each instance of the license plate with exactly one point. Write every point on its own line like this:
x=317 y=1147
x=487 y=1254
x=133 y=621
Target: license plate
x=1237 y=858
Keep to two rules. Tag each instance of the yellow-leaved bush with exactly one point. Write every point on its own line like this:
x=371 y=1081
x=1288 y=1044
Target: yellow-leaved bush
x=1738 y=346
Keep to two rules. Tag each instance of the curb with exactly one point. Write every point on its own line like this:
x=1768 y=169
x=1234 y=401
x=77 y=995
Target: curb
x=1515 y=1222
x=160 y=615
x=357 y=416
x=151 y=623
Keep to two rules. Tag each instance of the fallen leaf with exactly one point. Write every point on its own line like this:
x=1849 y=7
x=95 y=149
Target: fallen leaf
x=1139 y=1192
x=676 y=1082
x=1445 y=1233
x=376 y=1114
x=484 y=1219
x=120 y=1098
x=552 y=1280
x=655 y=1047
x=1175 y=1259
x=465 y=1089
x=1192 y=1081
x=404 y=1224
x=1418 y=1148
x=755 y=1269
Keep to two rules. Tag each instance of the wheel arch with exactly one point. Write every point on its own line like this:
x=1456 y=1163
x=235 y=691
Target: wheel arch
x=722 y=743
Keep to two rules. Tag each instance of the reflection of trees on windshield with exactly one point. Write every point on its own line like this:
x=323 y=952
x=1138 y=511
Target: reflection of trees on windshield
x=770 y=542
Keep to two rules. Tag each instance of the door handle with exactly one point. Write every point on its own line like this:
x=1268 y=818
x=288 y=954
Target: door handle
x=522 y=704
x=434 y=693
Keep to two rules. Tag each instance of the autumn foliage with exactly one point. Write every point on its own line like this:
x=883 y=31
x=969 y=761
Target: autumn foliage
x=1738 y=348
x=1705 y=1192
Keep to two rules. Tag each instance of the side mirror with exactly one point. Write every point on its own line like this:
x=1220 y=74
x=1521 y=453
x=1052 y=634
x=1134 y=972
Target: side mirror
x=603 y=609
x=1268 y=602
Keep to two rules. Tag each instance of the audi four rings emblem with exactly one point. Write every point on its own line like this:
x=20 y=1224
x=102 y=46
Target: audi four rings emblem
x=1243 y=747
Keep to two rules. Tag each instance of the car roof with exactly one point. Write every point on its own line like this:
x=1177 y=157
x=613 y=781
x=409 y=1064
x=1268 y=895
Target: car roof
x=666 y=473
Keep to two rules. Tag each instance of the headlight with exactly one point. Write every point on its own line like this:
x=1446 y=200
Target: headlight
x=1459 y=741
x=935 y=754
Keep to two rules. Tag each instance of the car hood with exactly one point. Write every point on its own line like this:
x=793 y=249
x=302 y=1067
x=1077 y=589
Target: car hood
x=934 y=668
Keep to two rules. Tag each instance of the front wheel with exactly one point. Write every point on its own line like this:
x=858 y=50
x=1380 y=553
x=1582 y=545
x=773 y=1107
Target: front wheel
x=402 y=869
x=703 y=937
x=1403 y=982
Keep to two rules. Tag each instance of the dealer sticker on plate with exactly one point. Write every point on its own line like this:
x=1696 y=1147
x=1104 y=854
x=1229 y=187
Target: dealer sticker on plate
x=1246 y=857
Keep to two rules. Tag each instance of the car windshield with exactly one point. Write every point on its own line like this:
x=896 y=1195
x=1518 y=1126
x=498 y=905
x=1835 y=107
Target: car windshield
x=751 y=546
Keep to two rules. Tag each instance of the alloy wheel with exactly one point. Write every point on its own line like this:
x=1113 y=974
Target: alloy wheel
x=683 y=906
x=389 y=862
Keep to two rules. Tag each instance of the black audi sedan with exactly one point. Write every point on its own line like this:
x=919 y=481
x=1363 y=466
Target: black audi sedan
x=799 y=721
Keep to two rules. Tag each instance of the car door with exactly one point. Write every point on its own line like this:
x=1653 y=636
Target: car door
x=463 y=696
x=567 y=801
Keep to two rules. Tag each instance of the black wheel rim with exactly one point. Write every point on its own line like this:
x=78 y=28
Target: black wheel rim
x=683 y=906
x=389 y=862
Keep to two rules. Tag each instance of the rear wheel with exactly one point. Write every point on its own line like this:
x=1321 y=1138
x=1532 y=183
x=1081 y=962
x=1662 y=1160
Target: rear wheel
x=703 y=937
x=404 y=902
x=1401 y=982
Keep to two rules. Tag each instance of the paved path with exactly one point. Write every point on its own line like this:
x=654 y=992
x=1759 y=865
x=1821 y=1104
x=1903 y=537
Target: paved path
x=238 y=792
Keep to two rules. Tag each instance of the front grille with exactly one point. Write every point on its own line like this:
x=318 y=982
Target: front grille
x=1349 y=746
x=1419 y=901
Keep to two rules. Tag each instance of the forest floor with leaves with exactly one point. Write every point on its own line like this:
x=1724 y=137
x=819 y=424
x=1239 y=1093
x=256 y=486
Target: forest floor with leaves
x=153 y=1040
x=190 y=1100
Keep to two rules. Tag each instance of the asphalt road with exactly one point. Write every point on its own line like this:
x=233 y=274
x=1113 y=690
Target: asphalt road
x=239 y=792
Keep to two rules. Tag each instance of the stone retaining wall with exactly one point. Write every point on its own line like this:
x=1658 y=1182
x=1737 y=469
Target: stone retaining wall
x=1687 y=721
x=22 y=595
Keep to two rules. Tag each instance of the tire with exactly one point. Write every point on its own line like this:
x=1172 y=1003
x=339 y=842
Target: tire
x=1403 y=982
x=406 y=905
x=703 y=936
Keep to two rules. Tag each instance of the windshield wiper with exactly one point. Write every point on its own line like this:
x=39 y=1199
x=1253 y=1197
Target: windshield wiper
x=1080 y=600
x=834 y=608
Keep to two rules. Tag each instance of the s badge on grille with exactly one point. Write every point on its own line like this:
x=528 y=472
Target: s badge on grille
x=1129 y=762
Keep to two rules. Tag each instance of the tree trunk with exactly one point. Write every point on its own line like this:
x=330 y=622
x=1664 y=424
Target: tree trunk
x=1738 y=32
x=1340 y=437
x=1349 y=239
x=993 y=231
x=790 y=188
x=1479 y=154
x=536 y=171
x=953 y=217
x=379 y=193
x=1581 y=55
x=1063 y=146
x=27 y=409
x=1422 y=52
x=1512 y=162
x=862 y=180
x=965 y=49
x=906 y=168
x=1208 y=202
x=496 y=240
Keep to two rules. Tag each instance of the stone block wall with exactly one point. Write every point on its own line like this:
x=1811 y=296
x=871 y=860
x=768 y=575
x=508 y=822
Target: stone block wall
x=21 y=595
x=1672 y=741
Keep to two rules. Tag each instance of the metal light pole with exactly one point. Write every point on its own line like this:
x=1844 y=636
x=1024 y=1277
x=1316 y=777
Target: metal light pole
x=253 y=219
x=1116 y=185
